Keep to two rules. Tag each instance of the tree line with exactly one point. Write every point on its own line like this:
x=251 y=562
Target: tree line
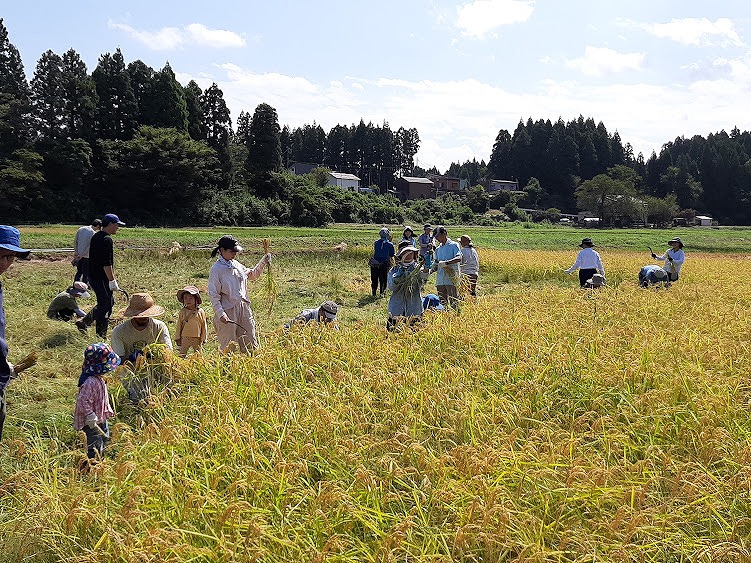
x=130 y=138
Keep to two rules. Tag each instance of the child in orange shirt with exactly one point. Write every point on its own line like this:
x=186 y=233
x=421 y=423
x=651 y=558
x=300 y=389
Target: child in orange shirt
x=192 y=331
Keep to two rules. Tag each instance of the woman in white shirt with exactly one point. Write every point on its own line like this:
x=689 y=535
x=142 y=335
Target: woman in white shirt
x=588 y=262
x=470 y=264
x=228 y=291
x=674 y=258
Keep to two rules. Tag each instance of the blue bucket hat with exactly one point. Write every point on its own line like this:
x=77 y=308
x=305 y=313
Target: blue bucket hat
x=98 y=359
x=10 y=239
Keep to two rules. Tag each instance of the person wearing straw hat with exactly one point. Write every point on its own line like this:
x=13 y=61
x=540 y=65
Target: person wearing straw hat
x=674 y=258
x=588 y=262
x=192 y=330
x=10 y=249
x=141 y=329
x=448 y=256
x=228 y=291
x=64 y=306
x=324 y=314
x=470 y=264
x=93 y=408
x=405 y=302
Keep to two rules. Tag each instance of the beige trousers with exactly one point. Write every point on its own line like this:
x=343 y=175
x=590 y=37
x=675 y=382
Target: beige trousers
x=244 y=334
x=188 y=342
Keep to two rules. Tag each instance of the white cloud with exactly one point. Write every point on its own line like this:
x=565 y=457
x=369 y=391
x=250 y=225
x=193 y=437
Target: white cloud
x=697 y=31
x=600 y=60
x=459 y=120
x=170 y=38
x=483 y=16
x=217 y=38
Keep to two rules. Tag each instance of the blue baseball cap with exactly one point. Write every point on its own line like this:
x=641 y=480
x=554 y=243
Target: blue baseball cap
x=112 y=218
x=10 y=239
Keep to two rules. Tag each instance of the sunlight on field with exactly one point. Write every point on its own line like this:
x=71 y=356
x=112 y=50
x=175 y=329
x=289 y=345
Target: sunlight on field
x=541 y=423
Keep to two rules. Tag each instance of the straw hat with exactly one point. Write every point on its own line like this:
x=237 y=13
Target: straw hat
x=193 y=290
x=142 y=305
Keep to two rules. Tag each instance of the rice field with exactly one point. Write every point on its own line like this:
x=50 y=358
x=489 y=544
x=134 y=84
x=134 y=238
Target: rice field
x=539 y=423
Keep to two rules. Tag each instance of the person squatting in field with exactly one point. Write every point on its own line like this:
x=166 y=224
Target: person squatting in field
x=588 y=262
x=405 y=302
x=228 y=291
x=325 y=314
x=64 y=306
x=10 y=249
x=447 y=259
x=653 y=275
x=673 y=257
x=380 y=262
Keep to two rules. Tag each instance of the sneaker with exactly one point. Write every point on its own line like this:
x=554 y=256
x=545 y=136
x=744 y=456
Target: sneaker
x=81 y=326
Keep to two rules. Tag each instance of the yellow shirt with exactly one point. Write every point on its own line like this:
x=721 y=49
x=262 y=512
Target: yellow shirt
x=191 y=323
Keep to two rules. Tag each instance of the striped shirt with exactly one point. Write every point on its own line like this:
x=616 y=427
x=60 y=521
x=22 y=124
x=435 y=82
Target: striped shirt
x=92 y=397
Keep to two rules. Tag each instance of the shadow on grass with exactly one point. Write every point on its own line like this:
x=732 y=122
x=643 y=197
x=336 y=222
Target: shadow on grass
x=59 y=338
x=368 y=299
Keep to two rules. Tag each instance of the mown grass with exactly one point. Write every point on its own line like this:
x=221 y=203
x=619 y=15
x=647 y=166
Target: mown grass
x=541 y=423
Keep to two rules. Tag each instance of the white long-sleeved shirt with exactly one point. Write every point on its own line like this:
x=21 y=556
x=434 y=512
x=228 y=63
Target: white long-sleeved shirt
x=587 y=258
x=228 y=283
x=82 y=242
x=678 y=257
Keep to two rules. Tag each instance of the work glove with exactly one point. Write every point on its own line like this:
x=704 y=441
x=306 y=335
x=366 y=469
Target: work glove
x=134 y=356
x=654 y=255
x=91 y=420
x=224 y=318
x=114 y=286
x=13 y=374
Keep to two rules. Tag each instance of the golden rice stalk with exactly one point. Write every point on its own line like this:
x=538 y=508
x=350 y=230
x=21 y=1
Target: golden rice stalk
x=269 y=285
x=26 y=363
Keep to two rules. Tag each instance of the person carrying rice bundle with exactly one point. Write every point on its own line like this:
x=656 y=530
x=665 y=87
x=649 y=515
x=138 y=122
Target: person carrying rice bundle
x=405 y=302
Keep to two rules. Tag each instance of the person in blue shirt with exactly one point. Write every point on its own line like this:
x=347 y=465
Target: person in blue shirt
x=652 y=274
x=10 y=249
x=383 y=252
x=446 y=264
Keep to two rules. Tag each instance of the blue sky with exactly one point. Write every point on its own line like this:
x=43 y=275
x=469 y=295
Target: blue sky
x=458 y=71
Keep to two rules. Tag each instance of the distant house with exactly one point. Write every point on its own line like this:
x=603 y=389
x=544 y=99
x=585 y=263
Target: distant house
x=300 y=168
x=408 y=187
x=446 y=184
x=505 y=185
x=703 y=221
x=348 y=182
